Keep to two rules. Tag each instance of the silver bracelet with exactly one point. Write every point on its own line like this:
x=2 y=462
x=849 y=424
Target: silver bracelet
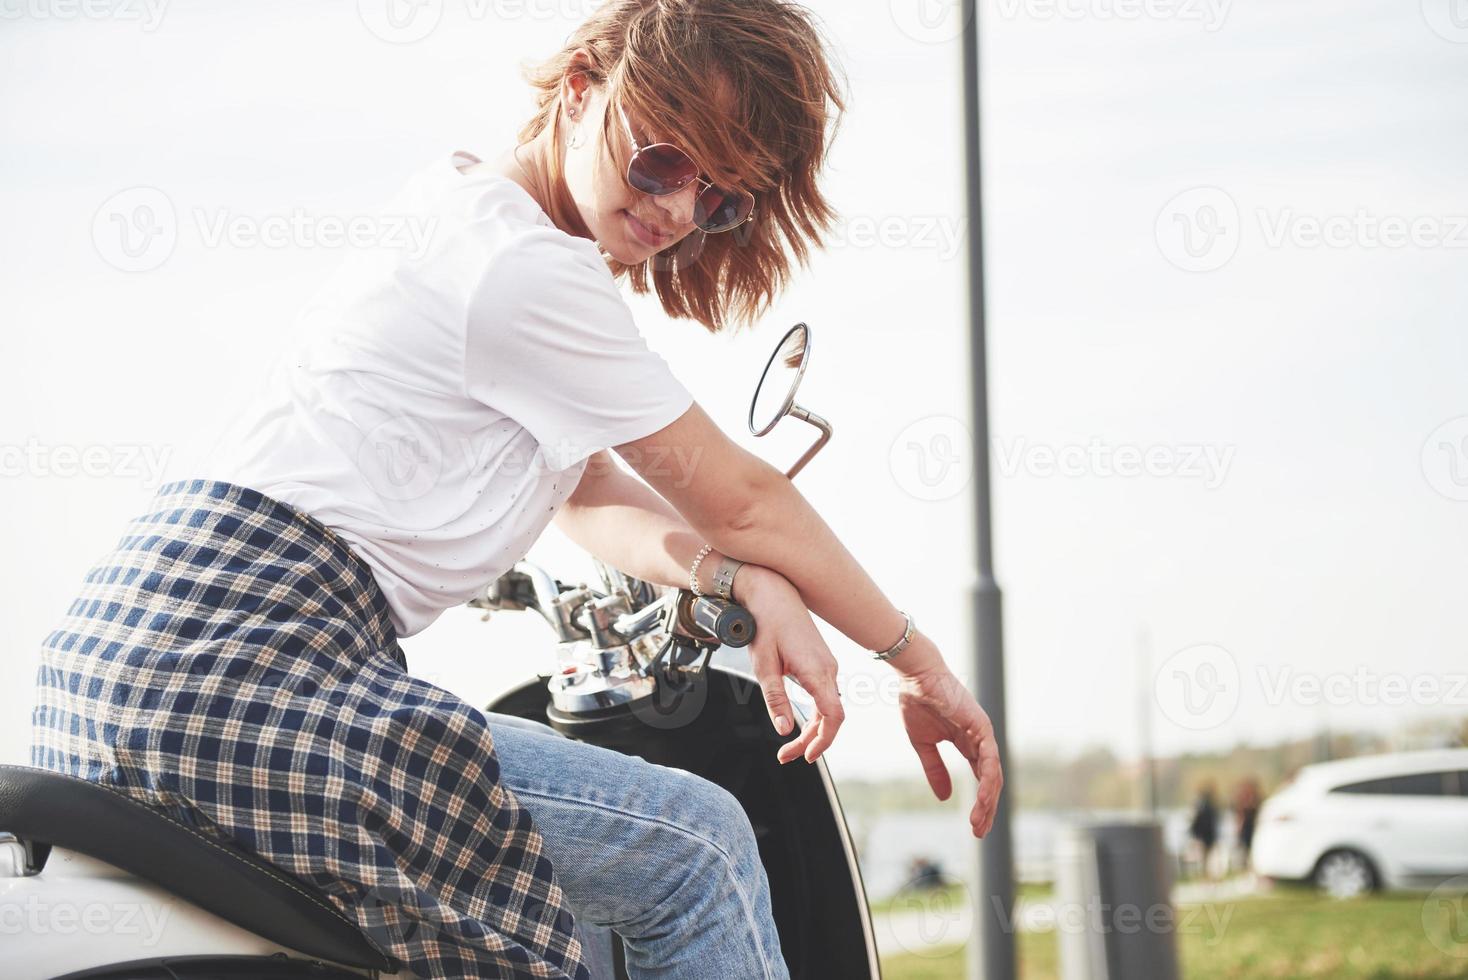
x=901 y=644
x=693 y=570
x=724 y=577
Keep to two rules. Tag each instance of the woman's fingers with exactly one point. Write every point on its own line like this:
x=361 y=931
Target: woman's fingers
x=982 y=753
x=934 y=769
x=796 y=747
x=772 y=683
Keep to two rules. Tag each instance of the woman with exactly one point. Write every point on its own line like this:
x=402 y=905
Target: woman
x=235 y=661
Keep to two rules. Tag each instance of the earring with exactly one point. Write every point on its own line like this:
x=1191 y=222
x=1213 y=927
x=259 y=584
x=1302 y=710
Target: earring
x=576 y=134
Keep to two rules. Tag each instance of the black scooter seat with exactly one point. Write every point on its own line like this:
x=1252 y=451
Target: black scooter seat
x=49 y=809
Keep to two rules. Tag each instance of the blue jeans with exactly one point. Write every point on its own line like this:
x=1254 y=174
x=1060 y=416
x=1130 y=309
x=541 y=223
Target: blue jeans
x=665 y=858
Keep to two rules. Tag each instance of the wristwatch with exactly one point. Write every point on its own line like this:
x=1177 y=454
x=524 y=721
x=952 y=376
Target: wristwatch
x=901 y=644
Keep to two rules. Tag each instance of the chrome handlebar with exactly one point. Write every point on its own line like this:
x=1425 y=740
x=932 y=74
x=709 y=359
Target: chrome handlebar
x=616 y=647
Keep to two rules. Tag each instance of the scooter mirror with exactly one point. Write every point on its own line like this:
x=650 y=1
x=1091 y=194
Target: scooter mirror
x=774 y=396
x=775 y=393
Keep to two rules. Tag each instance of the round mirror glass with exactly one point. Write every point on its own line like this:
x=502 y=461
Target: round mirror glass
x=775 y=392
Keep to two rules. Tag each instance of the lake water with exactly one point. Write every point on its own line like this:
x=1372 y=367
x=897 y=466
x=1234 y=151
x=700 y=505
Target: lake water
x=888 y=843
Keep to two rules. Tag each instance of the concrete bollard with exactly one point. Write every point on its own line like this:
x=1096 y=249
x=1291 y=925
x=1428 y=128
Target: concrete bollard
x=1115 y=919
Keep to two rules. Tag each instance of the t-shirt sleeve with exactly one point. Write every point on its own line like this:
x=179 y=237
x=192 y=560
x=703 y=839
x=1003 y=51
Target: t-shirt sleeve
x=551 y=343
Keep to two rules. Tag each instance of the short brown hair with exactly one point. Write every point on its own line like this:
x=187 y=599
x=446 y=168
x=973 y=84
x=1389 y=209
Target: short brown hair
x=746 y=85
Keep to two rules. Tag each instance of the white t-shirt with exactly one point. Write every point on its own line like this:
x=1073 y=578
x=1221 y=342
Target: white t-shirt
x=439 y=403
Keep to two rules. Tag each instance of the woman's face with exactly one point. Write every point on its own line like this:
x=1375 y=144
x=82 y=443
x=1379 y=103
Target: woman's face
x=628 y=224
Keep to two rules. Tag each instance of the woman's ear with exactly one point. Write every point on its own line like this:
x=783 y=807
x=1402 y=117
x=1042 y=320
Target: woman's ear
x=576 y=84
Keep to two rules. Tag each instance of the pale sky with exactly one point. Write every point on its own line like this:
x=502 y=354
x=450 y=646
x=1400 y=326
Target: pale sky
x=1227 y=243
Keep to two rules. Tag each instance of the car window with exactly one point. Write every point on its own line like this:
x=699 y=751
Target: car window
x=1412 y=784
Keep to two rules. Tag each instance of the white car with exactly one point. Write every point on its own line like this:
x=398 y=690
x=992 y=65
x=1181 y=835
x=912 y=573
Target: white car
x=1381 y=821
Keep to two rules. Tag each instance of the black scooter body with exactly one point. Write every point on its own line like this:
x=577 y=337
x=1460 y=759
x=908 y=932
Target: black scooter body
x=719 y=728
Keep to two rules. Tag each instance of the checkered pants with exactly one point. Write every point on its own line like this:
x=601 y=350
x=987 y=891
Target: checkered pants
x=232 y=663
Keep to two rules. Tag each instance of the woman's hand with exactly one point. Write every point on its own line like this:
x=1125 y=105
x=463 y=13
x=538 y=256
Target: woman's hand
x=936 y=707
x=786 y=641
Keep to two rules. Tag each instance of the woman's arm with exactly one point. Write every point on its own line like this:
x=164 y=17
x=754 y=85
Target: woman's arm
x=746 y=508
x=620 y=520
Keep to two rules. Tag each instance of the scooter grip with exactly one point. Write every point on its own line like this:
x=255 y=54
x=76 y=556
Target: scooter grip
x=728 y=622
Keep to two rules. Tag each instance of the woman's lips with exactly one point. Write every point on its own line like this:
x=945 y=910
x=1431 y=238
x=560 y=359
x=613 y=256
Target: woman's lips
x=645 y=234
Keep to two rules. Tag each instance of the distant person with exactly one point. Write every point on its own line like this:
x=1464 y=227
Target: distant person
x=926 y=873
x=1204 y=828
x=1246 y=816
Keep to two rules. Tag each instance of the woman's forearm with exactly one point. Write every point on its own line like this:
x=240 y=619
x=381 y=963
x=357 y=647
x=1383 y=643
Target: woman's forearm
x=631 y=527
x=628 y=525
x=783 y=532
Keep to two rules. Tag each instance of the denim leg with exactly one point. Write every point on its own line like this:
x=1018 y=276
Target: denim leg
x=666 y=858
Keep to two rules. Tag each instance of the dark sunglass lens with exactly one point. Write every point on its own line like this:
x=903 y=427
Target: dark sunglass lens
x=661 y=169
x=718 y=210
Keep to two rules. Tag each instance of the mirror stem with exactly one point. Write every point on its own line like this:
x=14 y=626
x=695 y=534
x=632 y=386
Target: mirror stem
x=808 y=416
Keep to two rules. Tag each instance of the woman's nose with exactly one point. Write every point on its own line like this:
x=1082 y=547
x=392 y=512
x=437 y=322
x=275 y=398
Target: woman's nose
x=678 y=206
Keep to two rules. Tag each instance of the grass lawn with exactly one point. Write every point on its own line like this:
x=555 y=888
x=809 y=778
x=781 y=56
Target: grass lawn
x=1280 y=936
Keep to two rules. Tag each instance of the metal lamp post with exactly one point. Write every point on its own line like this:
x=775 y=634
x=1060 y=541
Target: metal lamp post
x=991 y=955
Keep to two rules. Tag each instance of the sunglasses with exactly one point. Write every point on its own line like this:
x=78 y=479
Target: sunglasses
x=663 y=168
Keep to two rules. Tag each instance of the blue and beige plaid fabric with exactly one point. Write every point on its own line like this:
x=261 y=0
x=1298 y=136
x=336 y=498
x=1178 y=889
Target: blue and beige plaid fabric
x=232 y=663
